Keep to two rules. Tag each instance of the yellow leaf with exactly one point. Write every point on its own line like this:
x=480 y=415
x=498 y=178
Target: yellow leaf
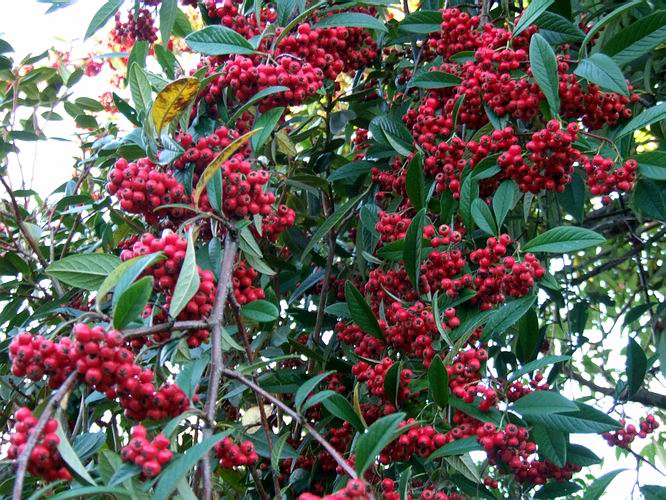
x=285 y=144
x=357 y=406
x=172 y=100
x=217 y=162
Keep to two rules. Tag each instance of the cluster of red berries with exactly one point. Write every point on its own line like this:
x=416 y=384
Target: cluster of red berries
x=465 y=375
x=374 y=376
x=392 y=227
x=36 y=356
x=517 y=389
x=412 y=329
x=277 y=222
x=355 y=490
x=138 y=26
x=166 y=274
x=44 y=460
x=246 y=77
x=365 y=345
x=441 y=270
x=151 y=456
x=603 y=178
x=625 y=436
x=494 y=279
x=228 y=13
x=458 y=33
x=243 y=279
x=420 y=440
x=233 y=455
x=202 y=152
x=142 y=189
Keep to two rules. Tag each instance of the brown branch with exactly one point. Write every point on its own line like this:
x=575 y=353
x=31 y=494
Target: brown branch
x=163 y=327
x=619 y=260
x=217 y=363
x=642 y=396
x=297 y=418
x=22 y=460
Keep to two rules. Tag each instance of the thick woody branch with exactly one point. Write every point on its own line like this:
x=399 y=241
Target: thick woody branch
x=22 y=461
x=217 y=364
x=297 y=418
x=642 y=396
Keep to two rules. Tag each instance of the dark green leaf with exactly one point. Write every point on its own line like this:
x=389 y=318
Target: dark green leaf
x=188 y=280
x=637 y=39
x=652 y=165
x=544 y=69
x=552 y=444
x=266 y=122
x=597 y=488
x=87 y=271
x=413 y=247
x=360 y=311
x=124 y=473
x=604 y=71
x=529 y=16
x=434 y=80
x=636 y=366
x=438 y=382
x=642 y=120
x=457 y=447
x=483 y=218
x=504 y=200
x=422 y=22
x=557 y=490
x=260 y=311
x=506 y=316
x=392 y=383
x=537 y=364
x=71 y=459
x=307 y=387
x=351 y=20
x=415 y=183
x=375 y=439
x=132 y=302
x=557 y=29
x=101 y=17
x=564 y=239
x=543 y=403
x=586 y=420
x=337 y=405
x=217 y=41
x=579 y=455
x=168 y=11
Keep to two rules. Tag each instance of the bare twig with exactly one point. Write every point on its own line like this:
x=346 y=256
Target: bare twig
x=297 y=418
x=217 y=363
x=22 y=461
x=163 y=327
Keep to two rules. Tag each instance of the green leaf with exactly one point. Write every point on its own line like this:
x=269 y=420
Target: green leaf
x=531 y=14
x=544 y=69
x=596 y=27
x=482 y=216
x=85 y=445
x=180 y=466
x=468 y=192
x=415 y=183
x=648 y=198
x=557 y=490
x=389 y=131
x=188 y=280
x=339 y=214
x=71 y=459
x=637 y=39
x=168 y=11
x=105 y=12
x=438 y=382
x=604 y=71
x=653 y=492
x=433 y=80
x=652 y=165
x=123 y=473
x=457 y=447
x=505 y=317
x=597 y=488
x=375 y=439
x=557 y=29
x=124 y=275
x=278 y=447
x=260 y=311
x=564 y=239
x=91 y=491
x=351 y=20
x=422 y=22
x=579 y=455
x=87 y=271
x=360 y=311
x=190 y=374
x=316 y=399
x=307 y=387
x=543 y=403
x=351 y=170
x=403 y=484
x=647 y=117
x=586 y=420
x=217 y=41
x=413 y=246
x=574 y=196
x=392 y=383
x=266 y=122
x=637 y=364
x=132 y=302
x=338 y=406
x=504 y=200
x=552 y=444
x=139 y=88
x=537 y=364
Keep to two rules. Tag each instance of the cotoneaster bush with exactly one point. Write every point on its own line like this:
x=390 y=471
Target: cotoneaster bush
x=348 y=250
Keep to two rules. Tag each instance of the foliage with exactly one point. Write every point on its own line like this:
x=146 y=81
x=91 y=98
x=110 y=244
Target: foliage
x=356 y=248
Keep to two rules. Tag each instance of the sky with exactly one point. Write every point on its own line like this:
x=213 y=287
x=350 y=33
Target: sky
x=26 y=27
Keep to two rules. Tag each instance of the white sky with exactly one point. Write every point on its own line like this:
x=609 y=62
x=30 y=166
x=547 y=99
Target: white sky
x=24 y=25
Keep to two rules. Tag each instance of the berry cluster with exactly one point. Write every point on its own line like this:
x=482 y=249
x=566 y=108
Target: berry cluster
x=465 y=375
x=233 y=455
x=277 y=222
x=142 y=189
x=625 y=436
x=36 y=356
x=374 y=377
x=44 y=460
x=355 y=490
x=228 y=13
x=243 y=284
x=138 y=26
x=420 y=440
x=151 y=456
x=603 y=178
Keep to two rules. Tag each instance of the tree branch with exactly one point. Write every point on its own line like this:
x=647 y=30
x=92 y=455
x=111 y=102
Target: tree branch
x=217 y=363
x=642 y=396
x=169 y=325
x=297 y=418
x=22 y=461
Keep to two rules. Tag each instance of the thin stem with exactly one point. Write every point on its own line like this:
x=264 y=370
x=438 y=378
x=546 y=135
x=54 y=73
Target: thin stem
x=297 y=418
x=217 y=363
x=22 y=460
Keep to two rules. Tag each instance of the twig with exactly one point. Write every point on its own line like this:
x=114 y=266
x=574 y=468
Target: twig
x=163 y=327
x=297 y=418
x=22 y=460
x=217 y=363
